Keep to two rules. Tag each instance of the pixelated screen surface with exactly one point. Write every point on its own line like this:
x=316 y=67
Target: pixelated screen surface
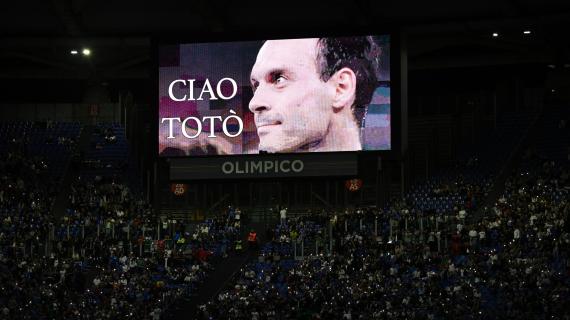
x=275 y=96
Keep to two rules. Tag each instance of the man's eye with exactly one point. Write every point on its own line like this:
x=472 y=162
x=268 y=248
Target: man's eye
x=278 y=79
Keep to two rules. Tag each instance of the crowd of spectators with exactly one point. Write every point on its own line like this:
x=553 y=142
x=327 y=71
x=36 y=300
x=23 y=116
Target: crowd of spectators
x=104 y=259
x=107 y=257
x=510 y=262
x=431 y=255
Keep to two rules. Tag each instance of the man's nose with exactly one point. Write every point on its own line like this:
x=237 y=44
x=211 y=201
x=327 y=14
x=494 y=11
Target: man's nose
x=259 y=102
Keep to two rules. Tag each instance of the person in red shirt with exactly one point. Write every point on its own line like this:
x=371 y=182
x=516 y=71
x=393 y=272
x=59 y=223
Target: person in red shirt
x=203 y=255
x=252 y=239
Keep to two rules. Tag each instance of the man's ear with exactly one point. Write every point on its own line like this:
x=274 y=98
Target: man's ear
x=344 y=82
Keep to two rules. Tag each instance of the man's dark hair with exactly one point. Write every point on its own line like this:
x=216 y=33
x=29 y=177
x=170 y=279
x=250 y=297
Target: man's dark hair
x=356 y=53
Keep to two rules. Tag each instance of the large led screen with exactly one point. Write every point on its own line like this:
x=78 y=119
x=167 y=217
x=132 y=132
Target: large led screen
x=275 y=96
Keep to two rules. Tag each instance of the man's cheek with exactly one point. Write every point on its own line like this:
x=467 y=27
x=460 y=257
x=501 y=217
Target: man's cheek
x=298 y=121
x=274 y=137
x=311 y=124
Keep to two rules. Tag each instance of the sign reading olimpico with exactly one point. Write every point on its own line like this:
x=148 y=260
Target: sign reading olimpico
x=259 y=166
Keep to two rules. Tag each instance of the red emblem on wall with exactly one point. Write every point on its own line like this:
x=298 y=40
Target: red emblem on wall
x=178 y=188
x=353 y=184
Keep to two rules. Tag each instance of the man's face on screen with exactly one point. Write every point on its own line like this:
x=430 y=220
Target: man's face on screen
x=291 y=104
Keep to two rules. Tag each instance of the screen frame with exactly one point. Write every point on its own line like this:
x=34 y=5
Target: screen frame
x=396 y=51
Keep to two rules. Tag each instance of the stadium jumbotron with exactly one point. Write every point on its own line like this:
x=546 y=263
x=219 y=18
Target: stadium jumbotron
x=211 y=160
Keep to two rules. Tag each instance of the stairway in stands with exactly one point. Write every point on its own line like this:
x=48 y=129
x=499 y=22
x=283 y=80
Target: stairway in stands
x=221 y=277
x=72 y=171
x=548 y=137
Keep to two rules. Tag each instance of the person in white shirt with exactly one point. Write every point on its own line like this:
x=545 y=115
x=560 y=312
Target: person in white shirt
x=283 y=215
x=482 y=237
x=462 y=214
x=472 y=236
